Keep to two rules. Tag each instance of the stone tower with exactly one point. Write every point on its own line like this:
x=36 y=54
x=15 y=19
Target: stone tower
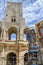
x=13 y=52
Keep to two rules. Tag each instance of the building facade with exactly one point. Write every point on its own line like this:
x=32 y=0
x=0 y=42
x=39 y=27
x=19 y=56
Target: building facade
x=13 y=52
x=39 y=32
x=39 y=29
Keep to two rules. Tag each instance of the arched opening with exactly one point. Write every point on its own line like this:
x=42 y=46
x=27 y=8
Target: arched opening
x=11 y=59
x=26 y=59
x=12 y=34
x=26 y=30
x=25 y=37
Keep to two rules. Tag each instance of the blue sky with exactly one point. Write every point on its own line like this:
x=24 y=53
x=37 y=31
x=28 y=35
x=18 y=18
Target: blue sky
x=32 y=10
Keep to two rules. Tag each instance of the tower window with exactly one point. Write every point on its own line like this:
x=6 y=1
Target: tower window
x=13 y=20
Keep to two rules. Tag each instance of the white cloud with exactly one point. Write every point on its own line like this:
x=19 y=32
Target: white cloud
x=32 y=11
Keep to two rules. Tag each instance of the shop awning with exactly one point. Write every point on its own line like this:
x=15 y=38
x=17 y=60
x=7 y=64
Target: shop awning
x=35 y=46
x=32 y=51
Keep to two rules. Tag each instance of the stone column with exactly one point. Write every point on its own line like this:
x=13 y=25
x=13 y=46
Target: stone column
x=2 y=57
x=17 y=62
x=21 y=58
x=21 y=34
x=18 y=34
x=0 y=34
x=2 y=61
x=3 y=34
x=6 y=35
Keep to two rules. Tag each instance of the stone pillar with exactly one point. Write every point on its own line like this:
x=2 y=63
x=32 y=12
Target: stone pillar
x=0 y=34
x=6 y=35
x=21 y=61
x=3 y=34
x=2 y=57
x=21 y=34
x=18 y=34
x=21 y=58
x=2 y=61
x=17 y=61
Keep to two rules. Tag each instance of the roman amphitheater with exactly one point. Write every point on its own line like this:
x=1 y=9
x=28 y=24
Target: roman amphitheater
x=13 y=52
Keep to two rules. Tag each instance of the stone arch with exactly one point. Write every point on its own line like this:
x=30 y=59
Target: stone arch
x=25 y=33
x=7 y=52
x=11 y=26
x=26 y=59
x=12 y=30
x=11 y=59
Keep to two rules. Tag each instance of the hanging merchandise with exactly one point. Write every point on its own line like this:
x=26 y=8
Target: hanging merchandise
x=31 y=36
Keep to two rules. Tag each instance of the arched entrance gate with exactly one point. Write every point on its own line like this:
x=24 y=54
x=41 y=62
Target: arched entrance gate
x=11 y=59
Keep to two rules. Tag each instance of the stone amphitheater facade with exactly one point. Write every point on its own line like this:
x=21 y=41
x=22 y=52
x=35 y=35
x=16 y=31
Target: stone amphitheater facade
x=13 y=22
